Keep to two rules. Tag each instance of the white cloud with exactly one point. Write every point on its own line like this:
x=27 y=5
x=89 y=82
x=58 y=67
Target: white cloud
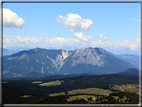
x=87 y=41
x=133 y=46
x=82 y=37
x=25 y=40
x=102 y=37
x=7 y=40
x=57 y=41
x=79 y=41
x=62 y=42
x=72 y=41
x=93 y=42
x=11 y=19
x=126 y=41
x=74 y=22
x=19 y=40
x=137 y=20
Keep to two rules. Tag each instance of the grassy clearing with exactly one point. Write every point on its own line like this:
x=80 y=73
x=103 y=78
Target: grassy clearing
x=85 y=97
x=5 y=82
x=85 y=91
x=35 y=82
x=22 y=57
x=25 y=96
x=57 y=94
x=90 y=91
x=12 y=58
x=52 y=83
x=127 y=88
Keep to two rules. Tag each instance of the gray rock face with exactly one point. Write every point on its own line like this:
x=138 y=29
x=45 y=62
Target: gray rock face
x=88 y=56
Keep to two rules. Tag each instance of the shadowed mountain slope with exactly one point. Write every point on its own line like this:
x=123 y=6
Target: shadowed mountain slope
x=130 y=72
x=94 y=60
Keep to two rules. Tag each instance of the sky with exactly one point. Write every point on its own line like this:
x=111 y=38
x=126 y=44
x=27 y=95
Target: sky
x=114 y=27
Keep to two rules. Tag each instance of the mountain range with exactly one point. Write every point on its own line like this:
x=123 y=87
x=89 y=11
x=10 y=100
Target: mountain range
x=9 y=52
x=133 y=59
x=47 y=62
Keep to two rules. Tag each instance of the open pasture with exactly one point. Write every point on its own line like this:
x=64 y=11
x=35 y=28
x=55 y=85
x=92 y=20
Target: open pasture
x=85 y=97
x=36 y=82
x=127 y=88
x=85 y=91
x=25 y=96
x=51 y=83
x=90 y=91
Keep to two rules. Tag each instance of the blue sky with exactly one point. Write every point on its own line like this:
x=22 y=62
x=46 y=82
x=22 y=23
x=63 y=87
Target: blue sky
x=112 y=26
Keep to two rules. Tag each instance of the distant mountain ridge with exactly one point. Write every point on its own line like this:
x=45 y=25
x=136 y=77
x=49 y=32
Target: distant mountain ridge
x=7 y=52
x=133 y=59
x=94 y=60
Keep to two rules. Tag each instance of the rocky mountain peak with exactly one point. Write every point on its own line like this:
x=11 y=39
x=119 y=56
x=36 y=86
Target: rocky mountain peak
x=65 y=54
x=88 y=56
x=96 y=60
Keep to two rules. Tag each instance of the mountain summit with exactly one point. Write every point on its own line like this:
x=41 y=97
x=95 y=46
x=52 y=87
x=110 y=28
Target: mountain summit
x=87 y=60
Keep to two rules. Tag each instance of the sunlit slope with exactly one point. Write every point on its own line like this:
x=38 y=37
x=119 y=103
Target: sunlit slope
x=95 y=60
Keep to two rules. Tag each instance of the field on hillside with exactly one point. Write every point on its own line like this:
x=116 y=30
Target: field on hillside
x=85 y=91
x=127 y=88
x=54 y=83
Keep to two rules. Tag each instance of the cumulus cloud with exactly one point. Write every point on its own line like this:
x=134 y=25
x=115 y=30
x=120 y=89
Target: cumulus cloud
x=11 y=19
x=102 y=37
x=126 y=41
x=82 y=37
x=133 y=46
x=57 y=41
x=79 y=41
x=87 y=41
x=74 y=22
x=7 y=40
x=25 y=40
x=72 y=41
x=63 y=41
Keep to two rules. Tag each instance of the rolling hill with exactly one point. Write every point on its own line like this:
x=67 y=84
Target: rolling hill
x=130 y=72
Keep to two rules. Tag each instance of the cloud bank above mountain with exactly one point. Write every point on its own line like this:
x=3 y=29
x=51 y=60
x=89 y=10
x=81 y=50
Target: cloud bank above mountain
x=80 y=41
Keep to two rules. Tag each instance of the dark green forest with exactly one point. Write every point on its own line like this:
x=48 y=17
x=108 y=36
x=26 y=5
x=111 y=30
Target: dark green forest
x=134 y=99
x=13 y=89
